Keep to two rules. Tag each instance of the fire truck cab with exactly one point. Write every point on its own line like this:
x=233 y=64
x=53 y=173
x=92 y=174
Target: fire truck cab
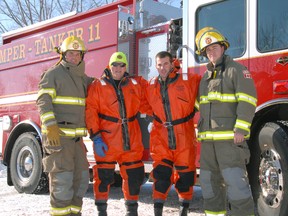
x=257 y=31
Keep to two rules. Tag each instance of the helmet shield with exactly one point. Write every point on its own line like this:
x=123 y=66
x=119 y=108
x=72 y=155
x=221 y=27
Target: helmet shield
x=72 y=43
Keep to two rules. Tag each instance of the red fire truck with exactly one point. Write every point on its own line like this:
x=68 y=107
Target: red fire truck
x=258 y=34
x=26 y=53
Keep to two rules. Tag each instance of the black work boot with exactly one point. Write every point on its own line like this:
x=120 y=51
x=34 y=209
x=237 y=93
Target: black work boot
x=102 y=209
x=131 y=209
x=158 y=209
x=183 y=211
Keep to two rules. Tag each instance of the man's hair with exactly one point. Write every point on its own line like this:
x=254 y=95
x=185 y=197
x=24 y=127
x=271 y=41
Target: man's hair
x=164 y=54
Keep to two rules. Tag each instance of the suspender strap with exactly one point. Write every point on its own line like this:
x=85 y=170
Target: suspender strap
x=175 y=122
x=117 y=120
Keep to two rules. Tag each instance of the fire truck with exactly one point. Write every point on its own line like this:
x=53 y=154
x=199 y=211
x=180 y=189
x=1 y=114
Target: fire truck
x=257 y=31
x=27 y=52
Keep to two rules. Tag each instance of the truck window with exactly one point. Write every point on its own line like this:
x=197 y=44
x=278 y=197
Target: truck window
x=150 y=13
x=229 y=17
x=272 y=28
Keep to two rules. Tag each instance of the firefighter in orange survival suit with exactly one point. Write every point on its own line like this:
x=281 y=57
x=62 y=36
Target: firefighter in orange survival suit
x=172 y=138
x=111 y=107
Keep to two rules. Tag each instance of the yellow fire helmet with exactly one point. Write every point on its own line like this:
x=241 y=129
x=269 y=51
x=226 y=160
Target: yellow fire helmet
x=72 y=43
x=118 y=57
x=207 y=36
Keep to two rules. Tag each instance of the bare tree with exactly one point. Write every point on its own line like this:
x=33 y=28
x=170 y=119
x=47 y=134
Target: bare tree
x=19 y=13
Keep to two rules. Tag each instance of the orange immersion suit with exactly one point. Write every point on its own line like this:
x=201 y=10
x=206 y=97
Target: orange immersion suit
x=172 y=139
x=111 y=111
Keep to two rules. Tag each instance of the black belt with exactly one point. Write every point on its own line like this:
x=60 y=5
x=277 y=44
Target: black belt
x=174 y=122
x=125 y=163
x=130 y=163
x=117 y=120
x=102 y=162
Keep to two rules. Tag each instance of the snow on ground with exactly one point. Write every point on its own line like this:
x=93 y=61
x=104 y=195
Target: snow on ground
x=14 y=204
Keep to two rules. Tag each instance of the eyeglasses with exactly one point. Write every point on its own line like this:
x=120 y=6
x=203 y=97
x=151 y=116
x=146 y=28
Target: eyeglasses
x=115 y=64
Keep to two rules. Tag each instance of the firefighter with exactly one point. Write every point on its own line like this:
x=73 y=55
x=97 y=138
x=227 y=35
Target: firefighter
x=227 y=101
x=61 y=102
x=172 y=97
x=112 y=106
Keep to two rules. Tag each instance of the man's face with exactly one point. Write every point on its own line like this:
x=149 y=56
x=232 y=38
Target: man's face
x=214 y=52
x=118 y=69
x=164 y=67
x=73 y=57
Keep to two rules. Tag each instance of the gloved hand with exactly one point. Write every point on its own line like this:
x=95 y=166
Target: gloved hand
x=53 y=135
x=99 y=146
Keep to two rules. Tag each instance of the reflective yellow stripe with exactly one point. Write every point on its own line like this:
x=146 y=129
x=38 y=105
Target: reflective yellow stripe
x=196 y=105
x=221 y=97
x=61 y=99
x=69 y=132
x=217 y=135
x=47 y=116
x=69 y=100
x=228 y=98
x=243 y=125
x=247 y=98
x=50 y=91
x=217 y=96
x=74 y=132
x=211 y=213
x=60 y=211
x=75 y=209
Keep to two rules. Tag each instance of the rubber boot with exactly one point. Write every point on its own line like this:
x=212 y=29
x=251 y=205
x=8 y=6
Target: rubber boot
x=131 y=209
x=158 y=209
x=183 y=211
x=102 y=209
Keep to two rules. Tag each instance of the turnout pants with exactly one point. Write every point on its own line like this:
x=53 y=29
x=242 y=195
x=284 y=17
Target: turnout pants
x=223 y=172
x=68 y=170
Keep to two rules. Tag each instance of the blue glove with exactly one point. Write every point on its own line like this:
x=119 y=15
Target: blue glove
x=99 y=146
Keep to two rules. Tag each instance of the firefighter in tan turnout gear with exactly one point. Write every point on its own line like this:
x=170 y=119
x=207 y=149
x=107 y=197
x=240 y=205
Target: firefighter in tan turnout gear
x=227 y=99
x=61 y=102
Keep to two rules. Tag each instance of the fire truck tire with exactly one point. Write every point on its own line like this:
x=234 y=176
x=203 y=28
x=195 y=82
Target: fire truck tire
x=26 y=165
x=268 y=169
